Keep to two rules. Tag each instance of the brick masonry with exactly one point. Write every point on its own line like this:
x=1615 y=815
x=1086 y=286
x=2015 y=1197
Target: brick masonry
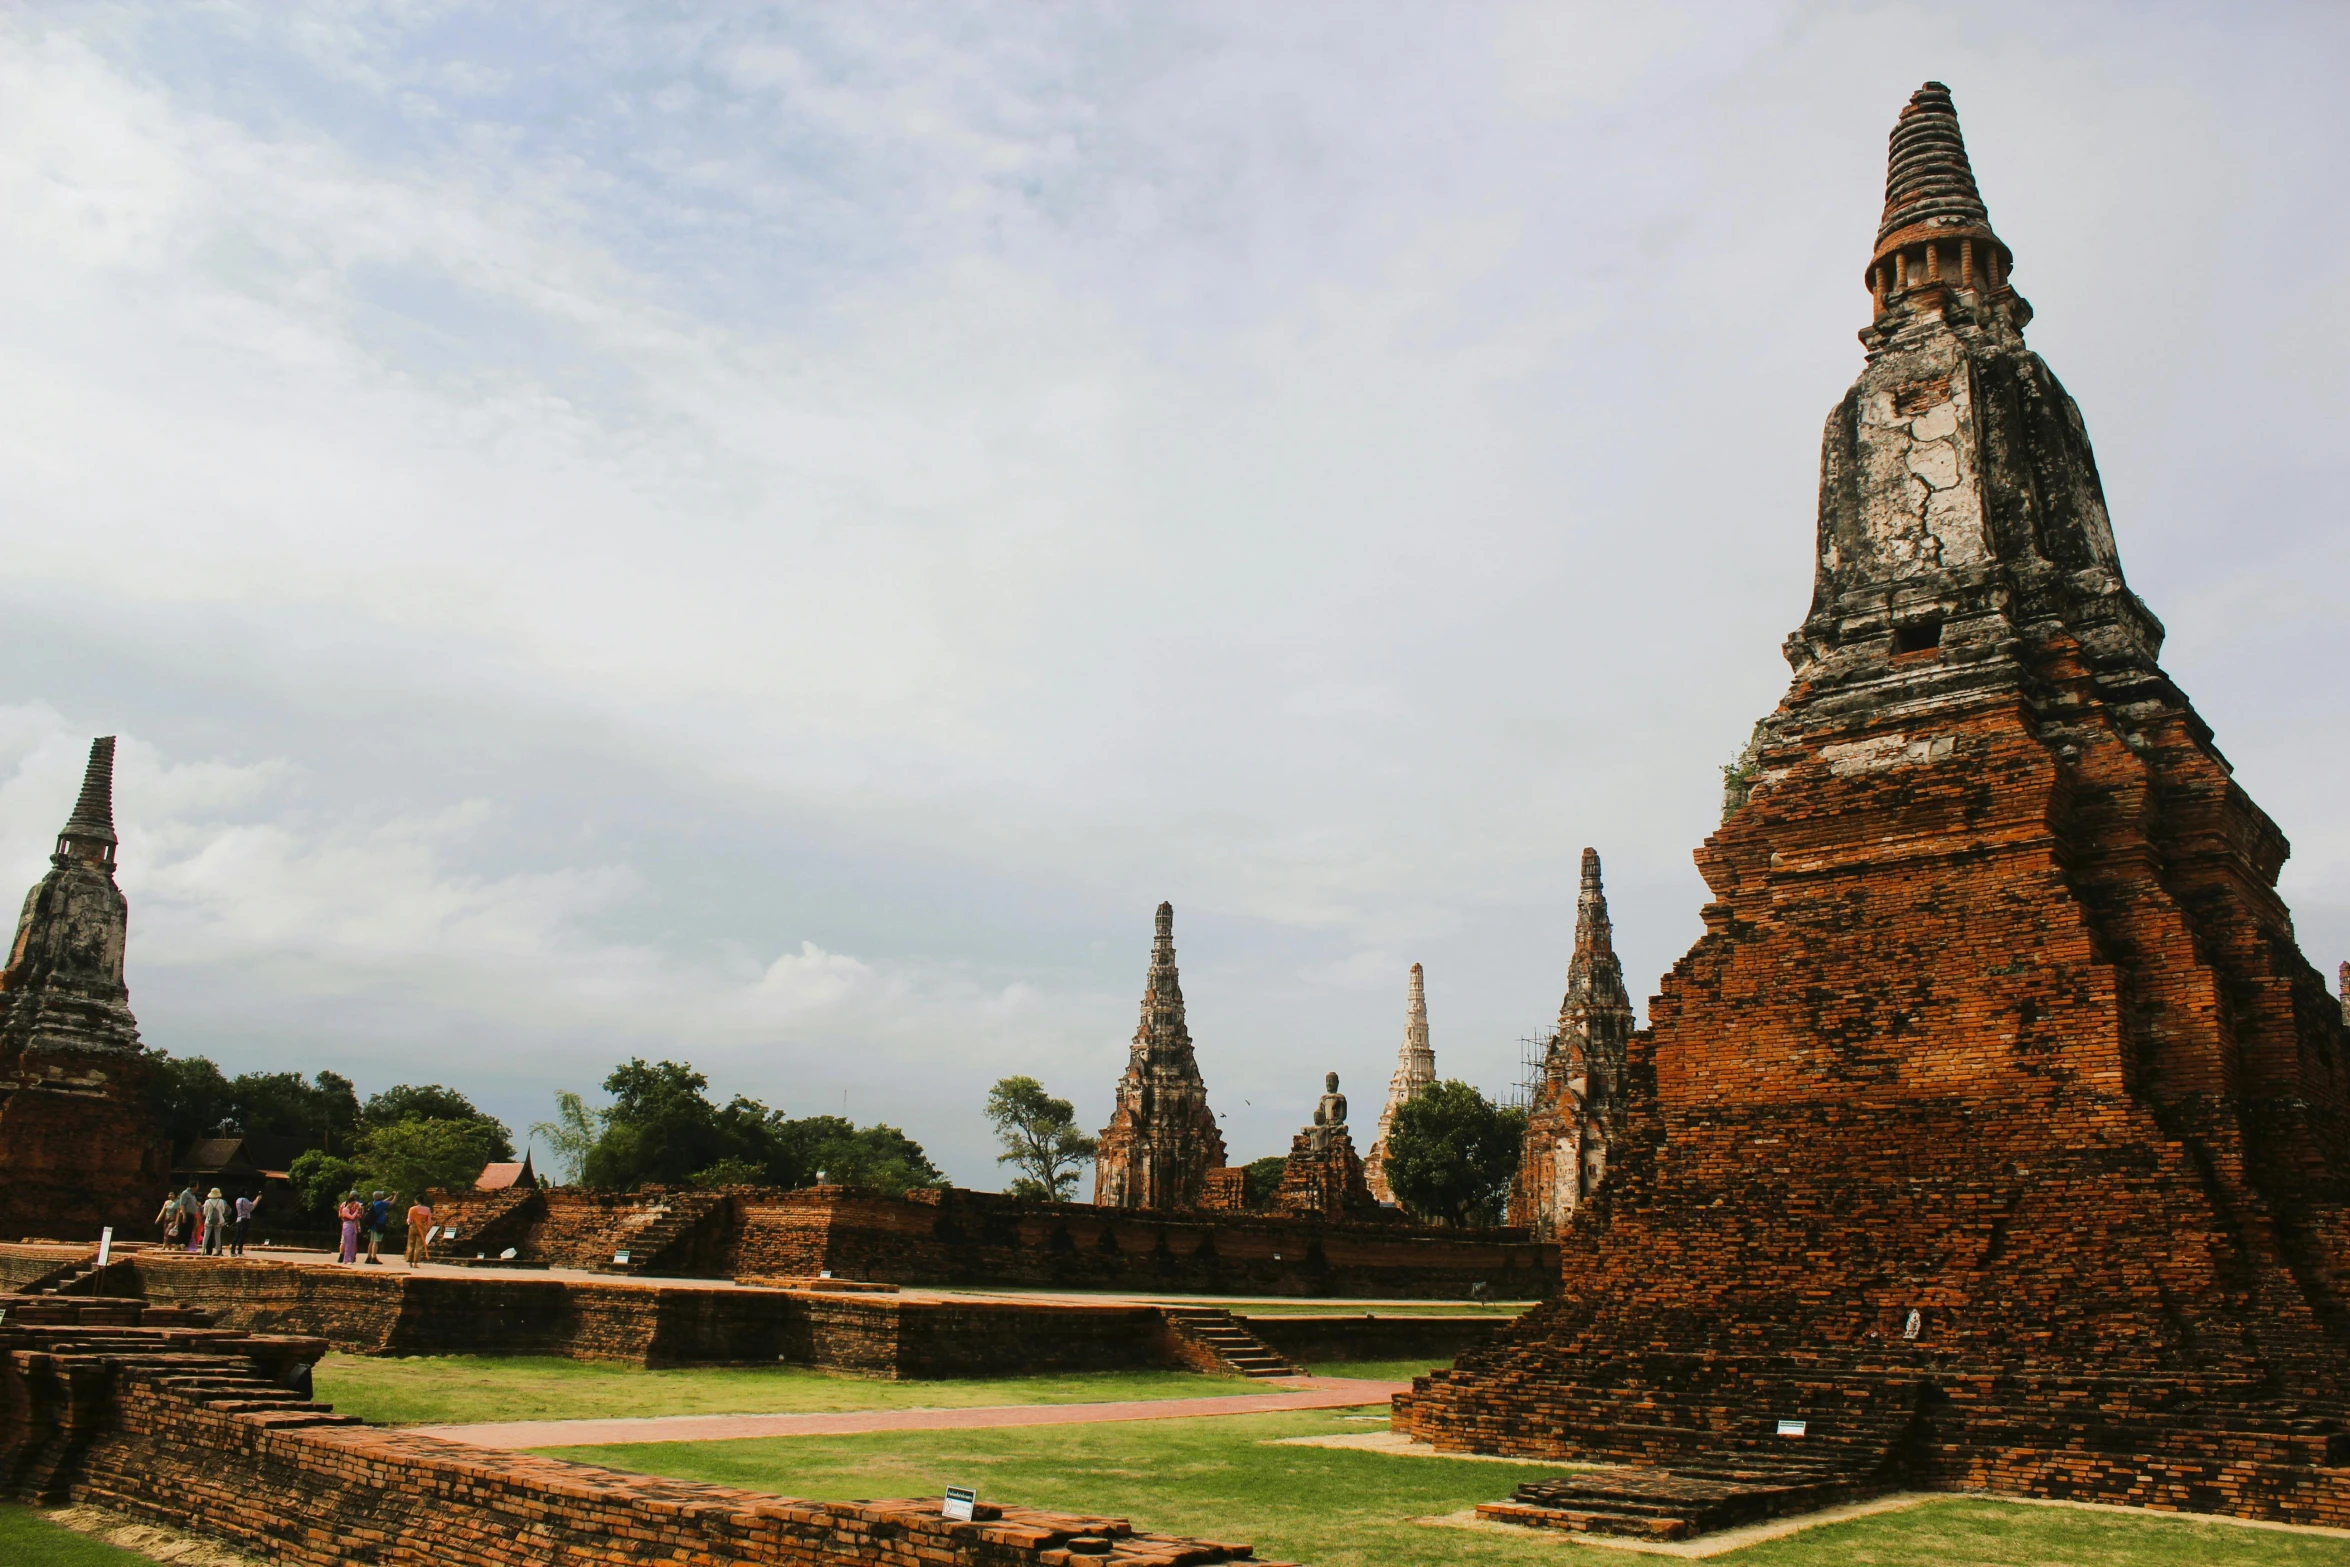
x=80 y=1148
x=957 y=1237
x=1996 y=1126
x=187 y=1426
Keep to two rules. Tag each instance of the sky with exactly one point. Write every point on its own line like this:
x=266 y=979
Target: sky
x=773 y=536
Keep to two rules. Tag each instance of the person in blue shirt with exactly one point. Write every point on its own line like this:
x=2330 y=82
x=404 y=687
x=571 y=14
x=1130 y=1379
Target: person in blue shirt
x=379 y=1219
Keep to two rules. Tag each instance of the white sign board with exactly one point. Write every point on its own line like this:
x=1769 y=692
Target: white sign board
x=105 y=1246
x=960 y=1500
x=620 y=1256
x=1793 y=1427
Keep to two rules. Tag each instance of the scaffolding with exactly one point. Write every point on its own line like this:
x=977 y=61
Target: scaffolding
x=1533 y=1056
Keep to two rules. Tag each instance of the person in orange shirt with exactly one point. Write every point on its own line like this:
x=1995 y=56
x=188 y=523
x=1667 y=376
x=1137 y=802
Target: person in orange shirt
x=419 y=1226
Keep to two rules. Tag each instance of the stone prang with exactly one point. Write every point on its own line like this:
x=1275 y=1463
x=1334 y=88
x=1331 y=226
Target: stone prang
x=1162 y=1139
x=80 y=1147
x=1579 y=1104
x=1415 y=1071
x=1996 y=1134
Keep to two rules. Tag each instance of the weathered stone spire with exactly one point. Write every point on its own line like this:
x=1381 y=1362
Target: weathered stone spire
x=1579 y=1104
x=63 y=985
x=1162 y=1139
x=79 y=1145
x=2342 y=987
x=1930 y=193
x=1415 y=1069
x=92 y=820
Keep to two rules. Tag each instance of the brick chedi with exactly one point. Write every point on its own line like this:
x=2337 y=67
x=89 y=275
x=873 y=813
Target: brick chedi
x=1162 y=1140
x=1995 y=1127
x=80 y=1147
x=1579 y=1104
x=1324 y=1176
x=1415 y=1070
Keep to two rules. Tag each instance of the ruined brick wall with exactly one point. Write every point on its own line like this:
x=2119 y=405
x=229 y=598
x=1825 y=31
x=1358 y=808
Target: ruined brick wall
x=377 y=1311
x=161 y=1429
x=1998 y=1031
x=1317 y=1340
x=954 y=1236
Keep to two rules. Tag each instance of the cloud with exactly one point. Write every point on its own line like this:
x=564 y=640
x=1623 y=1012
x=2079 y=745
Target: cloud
x=775 y=538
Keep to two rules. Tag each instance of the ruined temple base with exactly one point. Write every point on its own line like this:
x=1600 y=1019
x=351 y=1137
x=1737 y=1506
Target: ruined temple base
x=142 y=1411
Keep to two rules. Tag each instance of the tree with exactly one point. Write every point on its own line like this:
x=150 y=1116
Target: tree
x=662 y=1129
x=190 y=1097
x=320 y=1178
x=1040 y=1139
x=420 y=1154
x=322 y=1113
x=1261 y=1178
x=571 y=1134
x=1451 y=1154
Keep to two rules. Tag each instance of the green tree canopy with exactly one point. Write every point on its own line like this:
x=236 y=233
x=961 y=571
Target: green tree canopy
x=193 y=1100
x=422 y=1154
x=662 y=1129
x=1451 y=1154
x=1261 y=1178
x=1040 y=1139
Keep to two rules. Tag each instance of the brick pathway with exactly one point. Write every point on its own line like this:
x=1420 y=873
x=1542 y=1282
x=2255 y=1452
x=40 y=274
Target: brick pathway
x=1298 y=1393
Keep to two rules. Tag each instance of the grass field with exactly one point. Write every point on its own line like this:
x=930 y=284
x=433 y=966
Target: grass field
x=1218 y=1478
x=29 y=1540
x=453 y=1389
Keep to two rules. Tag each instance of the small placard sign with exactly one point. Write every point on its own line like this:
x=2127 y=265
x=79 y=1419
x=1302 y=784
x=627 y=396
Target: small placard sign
x=432 y=1235
x=620 y=1256
x=960 y=1500
x=1792 y=1427
x=105 y=1246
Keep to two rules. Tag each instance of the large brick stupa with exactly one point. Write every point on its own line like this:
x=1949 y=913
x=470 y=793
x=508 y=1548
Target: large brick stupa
x=80 y=1147
x=1993 y=1135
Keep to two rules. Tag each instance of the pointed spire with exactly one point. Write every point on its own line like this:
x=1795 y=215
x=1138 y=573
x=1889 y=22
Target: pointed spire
x=1930 y=197
x=1162 y=1031
x=1415 y=1013
x=2343 y=979
x=92 y=820
x=1594 y=961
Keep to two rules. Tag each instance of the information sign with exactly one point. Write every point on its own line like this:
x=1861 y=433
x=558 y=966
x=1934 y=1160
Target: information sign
x=1793 y=1427
x=960 y=1500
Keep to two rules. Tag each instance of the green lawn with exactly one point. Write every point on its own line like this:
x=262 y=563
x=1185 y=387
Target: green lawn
x=1333 y=1508
x=453 y=1389
x=29 y=1540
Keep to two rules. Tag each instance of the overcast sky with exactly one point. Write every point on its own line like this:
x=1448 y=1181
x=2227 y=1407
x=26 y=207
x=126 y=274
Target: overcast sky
x=775 y=538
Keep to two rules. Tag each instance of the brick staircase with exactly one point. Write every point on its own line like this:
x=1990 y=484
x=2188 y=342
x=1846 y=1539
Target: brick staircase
x=674 y=1222
x=1212 y=1331
x=62 y=1349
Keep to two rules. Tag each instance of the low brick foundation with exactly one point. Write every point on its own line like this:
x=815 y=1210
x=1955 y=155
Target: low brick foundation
x=958 y=1237
x=185 y=1425
x=1315 y=1340
x=388 y=1312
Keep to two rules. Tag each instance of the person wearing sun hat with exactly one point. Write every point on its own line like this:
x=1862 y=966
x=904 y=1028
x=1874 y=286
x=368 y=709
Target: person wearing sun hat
x=215 y=1222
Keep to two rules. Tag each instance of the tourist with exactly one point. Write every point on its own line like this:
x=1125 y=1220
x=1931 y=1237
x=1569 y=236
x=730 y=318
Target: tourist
x=167 y=1218
x=191 y=1217
x=350 y=1213
x=379 y=1219
x=215 y=1222
x=419 y=1227
x=245 y=1208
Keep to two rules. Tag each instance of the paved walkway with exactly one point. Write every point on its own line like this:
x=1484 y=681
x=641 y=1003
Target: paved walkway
x=1298 y=1393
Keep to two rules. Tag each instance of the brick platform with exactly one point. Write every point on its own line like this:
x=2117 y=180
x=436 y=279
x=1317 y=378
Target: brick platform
x=144 y=1411
x=1996 y=1128
x=987 y=1239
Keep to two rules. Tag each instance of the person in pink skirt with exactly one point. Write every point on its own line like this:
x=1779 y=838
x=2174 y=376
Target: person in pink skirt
x=350 y=1213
